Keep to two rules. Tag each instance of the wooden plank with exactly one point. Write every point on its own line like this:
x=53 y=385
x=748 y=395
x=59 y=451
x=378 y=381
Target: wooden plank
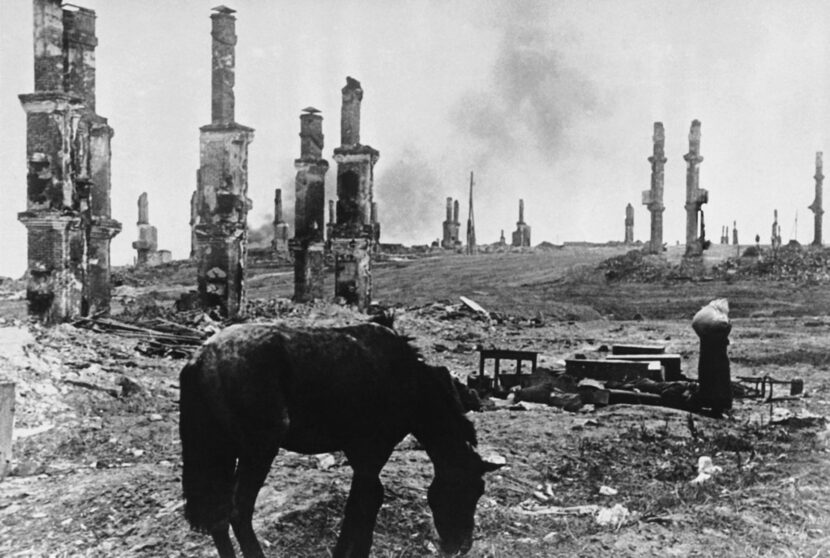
x=637 y=349
x=614 y=370
x=6 y=426
x=671 y=363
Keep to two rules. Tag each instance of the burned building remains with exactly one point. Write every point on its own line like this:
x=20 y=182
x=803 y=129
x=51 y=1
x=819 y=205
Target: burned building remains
x=695 y=196
x=308 y=244
x=356 y=230
x=521 y=236
x=451 y=226
x=146 y=247
x=221 y=205
x=68 y=214
x=817 y=207
x=653 y=197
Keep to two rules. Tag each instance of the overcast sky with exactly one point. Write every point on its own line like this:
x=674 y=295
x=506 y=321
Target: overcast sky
x=553 y=102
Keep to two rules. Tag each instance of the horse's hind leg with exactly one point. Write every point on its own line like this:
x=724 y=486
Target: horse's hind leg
x=222 y=540
x=250 y=476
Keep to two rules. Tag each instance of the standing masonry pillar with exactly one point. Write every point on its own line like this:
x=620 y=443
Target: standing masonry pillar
x=308 y=244
x=629 y=224
x=451 y=226
x=653 y=198
x=695 y=196
x=521 y=236
x=68 y=152
x=735 y=233
x=280 y=242
x=147 y=242
x=817 y=206
x=354 y=233
x=221 y=204
x=472 y=247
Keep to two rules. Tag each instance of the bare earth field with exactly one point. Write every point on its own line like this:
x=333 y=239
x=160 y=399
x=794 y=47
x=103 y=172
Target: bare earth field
x=96 y=468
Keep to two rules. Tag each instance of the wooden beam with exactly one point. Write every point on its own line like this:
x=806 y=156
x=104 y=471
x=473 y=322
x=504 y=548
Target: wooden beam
x=637 y=349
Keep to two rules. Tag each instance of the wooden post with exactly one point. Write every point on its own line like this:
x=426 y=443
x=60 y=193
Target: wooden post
x=6 y=424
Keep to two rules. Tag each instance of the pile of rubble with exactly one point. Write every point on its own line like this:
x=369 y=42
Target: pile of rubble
x=791 y=262
x=635 y=266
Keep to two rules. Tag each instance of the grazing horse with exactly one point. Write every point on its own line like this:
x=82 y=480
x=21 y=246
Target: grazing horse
x=255 y=388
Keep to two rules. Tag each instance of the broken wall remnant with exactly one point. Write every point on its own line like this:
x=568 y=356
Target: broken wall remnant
x=735 y=233
x=308 y=244
x=146 y=246
x=471 y=248
x=355 y=233
x=221 y=205
x=68 y=214
x=629 y=224
x=451 y=226
x=521 y=236
x=817 y=206
x=280 y=242
x=695 y=196
x=653 y=197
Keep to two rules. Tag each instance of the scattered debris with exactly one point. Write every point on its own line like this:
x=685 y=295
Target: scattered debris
x=705 y=470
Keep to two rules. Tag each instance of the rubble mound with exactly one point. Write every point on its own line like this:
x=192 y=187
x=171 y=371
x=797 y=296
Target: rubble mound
x=790 y=263
x=634 y=266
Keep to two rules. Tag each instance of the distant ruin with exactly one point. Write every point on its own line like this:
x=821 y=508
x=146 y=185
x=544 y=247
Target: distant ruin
x=308 y=244
x=629 y=224
x=695 y=196
x=221 y=205
x=146 y=247
x=653 y=197
x=68 y=214
x=451 y=226
x=280 y=241
x=521 y=236
x=356 y=231
x=817 y=206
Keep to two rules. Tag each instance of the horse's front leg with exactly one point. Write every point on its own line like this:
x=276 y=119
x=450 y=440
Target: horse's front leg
x=365 y=499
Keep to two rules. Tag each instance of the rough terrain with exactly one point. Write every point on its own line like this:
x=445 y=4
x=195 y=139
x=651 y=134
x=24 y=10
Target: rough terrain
x=96 y=468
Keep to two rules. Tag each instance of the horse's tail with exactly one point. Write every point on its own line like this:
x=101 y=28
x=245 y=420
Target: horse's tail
x=208 y=455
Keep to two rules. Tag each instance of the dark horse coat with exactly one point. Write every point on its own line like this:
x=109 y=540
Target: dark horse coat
x=254 y=388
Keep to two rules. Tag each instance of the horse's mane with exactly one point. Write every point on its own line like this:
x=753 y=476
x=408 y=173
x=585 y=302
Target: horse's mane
x=443 y=402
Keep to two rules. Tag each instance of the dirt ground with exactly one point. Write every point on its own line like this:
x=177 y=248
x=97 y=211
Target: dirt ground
x=96 y=467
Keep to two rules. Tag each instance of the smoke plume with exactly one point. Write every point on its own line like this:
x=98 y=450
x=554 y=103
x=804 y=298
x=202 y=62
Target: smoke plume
x=535 y=97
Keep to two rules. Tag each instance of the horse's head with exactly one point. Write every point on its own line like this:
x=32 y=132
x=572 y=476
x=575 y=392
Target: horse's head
x=453 y=496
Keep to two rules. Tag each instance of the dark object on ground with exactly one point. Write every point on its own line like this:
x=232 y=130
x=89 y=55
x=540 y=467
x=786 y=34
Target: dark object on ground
x=712 y=325
x=254 y=388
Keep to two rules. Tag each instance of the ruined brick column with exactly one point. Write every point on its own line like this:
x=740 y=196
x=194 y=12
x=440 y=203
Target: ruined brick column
x=354 y=234
x=817 y=206
x=451 y=226
x=695 y=196
x=68 y=208
x=221 y=203
x=521 y=236
x=147 y=242
x=629 y=224
x=93 y=154
x=735 y=233
x=653 y=198
x=280 y=242
x=308 y=244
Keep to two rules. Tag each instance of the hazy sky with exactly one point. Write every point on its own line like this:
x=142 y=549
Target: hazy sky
x=553 y=102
